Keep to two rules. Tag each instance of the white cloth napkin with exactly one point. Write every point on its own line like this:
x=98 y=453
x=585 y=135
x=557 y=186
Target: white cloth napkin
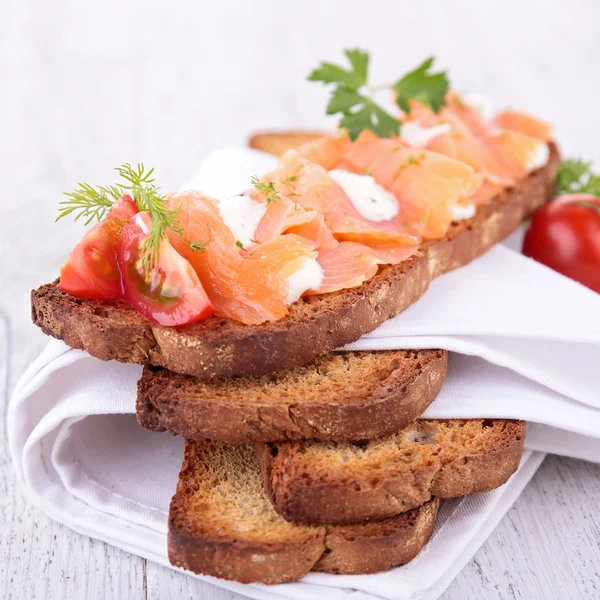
x=527 y=342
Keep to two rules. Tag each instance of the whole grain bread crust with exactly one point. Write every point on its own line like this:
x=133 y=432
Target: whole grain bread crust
x=397 y=387
x=219 y=347
x=196 y=544
x=310 y=491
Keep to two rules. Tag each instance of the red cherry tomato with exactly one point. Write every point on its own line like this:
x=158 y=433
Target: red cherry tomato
x=565 y=235
x=171 y=294
x=91 y=270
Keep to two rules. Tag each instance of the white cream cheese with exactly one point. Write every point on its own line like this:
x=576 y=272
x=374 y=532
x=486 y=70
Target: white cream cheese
x=308 y=277
x=482 y=104
x=242 y=215
x=539 y=158
x=417 y=136
x=460 y=212
x=370 y=200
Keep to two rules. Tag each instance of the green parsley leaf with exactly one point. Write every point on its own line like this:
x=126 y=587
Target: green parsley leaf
x=422 y=85
x=352 y=79
x=352 y=96
x=575 y=176
x=369 y=116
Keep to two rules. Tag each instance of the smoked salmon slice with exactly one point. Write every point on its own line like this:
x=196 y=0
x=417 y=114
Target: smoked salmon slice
x=518 y=152
x=280 y=216
x=312 y=187
x=458 y=141
x=350 y=264
x=327 y=151
x=317 y=231
x=427 y=184
x=516 y=121
x=239 y=284
x=469 y=115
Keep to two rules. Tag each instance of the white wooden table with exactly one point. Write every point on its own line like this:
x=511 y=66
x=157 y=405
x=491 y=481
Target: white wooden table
x=85 y=86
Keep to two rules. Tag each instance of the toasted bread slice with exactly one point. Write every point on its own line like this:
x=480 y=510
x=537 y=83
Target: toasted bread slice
x=221 y=523
x=219 y=347
x=339 y=396
x=324 y=482
x=278 y=143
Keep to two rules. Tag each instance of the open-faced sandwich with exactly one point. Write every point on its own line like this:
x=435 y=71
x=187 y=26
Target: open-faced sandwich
x=347 y=231
x=298 y=458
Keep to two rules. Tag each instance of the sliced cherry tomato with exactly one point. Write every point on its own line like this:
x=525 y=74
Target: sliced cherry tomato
x=171 y=294
x=91 y=270
x=565 y=235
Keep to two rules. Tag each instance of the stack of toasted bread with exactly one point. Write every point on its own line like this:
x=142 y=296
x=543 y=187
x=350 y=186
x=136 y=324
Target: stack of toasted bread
x=322 y=467
x=298 y=458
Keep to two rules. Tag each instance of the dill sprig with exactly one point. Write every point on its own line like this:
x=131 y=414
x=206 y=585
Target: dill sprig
x=267 y=188
x=199 y=247
x=91 y=203
x=147 y=197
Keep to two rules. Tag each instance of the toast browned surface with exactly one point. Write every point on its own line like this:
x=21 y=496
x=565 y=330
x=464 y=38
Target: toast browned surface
x=221 y=523
x=339 y=396
x=219 y=347
x=278 y=143
x=324 y=482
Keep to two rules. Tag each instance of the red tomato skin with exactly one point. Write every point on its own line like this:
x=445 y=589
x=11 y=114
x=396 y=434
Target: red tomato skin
x=91 y=270
x=565 y=236
x=187 y=302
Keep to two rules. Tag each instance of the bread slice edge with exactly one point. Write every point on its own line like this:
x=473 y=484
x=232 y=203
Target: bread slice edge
x=226 y=551
x=316 y=492
x=166 y=401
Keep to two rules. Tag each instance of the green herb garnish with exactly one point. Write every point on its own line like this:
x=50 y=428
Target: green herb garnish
x=424 y=86
x=91 y=203
x=575 y=176
x=352 y=96
x=267 y=188
x=198 y=247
